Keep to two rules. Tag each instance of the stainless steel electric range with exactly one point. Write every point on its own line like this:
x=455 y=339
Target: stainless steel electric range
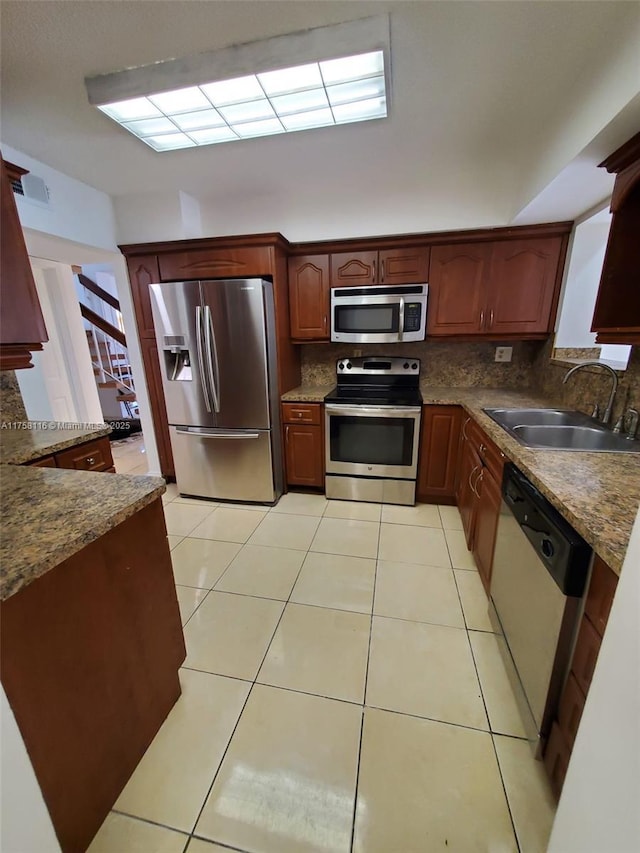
x=372 y=430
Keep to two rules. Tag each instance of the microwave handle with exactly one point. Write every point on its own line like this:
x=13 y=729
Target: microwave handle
x=401 y=320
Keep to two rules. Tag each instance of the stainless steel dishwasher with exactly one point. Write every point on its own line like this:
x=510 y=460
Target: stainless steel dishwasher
x=539 y=577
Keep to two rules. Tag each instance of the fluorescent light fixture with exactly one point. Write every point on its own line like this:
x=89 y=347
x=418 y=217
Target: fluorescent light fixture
x=201 y=101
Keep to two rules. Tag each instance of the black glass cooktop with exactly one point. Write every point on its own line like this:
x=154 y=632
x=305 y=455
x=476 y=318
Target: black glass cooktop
x=367 y=395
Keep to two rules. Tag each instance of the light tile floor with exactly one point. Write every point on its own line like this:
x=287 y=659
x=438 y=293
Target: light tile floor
x=343 y=690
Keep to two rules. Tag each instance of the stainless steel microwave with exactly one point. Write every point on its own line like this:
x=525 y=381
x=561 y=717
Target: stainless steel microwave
x=382 y=314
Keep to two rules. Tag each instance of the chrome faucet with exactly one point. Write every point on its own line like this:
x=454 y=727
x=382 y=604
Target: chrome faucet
x=606 y=417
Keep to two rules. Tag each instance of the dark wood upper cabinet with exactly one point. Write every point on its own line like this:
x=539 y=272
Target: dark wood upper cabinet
x=616 y=317
x=22 y=328
x=457 y=276
x=522 y=279
x=384 y=266
x=498 y=289
x=232 y=262
x=309 y=297
x=143 y=271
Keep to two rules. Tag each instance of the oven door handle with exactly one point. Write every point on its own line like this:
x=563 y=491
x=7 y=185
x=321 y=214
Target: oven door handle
x=374 y=411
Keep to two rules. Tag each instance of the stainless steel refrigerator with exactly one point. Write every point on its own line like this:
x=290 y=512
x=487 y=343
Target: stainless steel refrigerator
x=217 y=351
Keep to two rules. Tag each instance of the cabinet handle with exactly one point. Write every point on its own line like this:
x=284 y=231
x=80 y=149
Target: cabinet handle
x=482 y=319
x=478 y=478
x=473 y=470
x=300 y=414
x=90 y=460
x=464 y=429
x=286 y=434
x=491 y=319
x=382 y=271
x=325 y=323
x=374 y=270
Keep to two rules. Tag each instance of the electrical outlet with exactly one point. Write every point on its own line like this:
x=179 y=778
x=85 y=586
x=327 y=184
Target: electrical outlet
x=504 y=353
x=357 y=353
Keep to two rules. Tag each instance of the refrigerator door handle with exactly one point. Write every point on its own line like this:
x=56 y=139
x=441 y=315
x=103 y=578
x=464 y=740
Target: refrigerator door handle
x=225 y=435
x=212 y=357
x=203 y=378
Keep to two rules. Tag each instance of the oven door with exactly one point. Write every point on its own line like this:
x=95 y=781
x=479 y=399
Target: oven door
x=372 y=441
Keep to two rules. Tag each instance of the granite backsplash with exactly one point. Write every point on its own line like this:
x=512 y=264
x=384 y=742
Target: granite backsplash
x=589 y=385
x=443 y=363
x=11 y=403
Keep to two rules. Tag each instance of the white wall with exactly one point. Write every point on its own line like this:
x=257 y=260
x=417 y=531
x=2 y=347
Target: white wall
x=25 y=826
x=608 y=83
x=162 y=215
x=583 y=279
x=76 y=211
x=599 y=810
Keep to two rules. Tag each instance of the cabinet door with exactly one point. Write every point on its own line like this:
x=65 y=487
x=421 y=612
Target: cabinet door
x=46 y=462
x=556 y=759
x=617 y=313
x=487 y=513
x=602 y=588
x=242 y=262
x=466 y=498
x=585 y=654
x=143 y=271
x=522 y=286
x=403 y=266
x=439 y=446
x=309 y=297
x=22 y=330
x=158 y=408
x=303 y=447
x=354 y=269
x=457 y=289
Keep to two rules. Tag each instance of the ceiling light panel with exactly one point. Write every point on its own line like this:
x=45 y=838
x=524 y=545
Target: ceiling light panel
x=317 y=94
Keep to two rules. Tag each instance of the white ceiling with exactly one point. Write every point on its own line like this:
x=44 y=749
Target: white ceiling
x=480 y=90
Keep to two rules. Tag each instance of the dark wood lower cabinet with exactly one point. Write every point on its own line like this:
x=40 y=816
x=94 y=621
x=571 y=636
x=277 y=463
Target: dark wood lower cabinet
x=487 y=514
x=90 y=654
x=439 y=448
x=602 y=587
x=304 y=455
x=470 y=466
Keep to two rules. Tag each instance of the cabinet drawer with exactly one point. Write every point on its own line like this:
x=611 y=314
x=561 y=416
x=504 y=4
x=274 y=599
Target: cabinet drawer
x=570 y=711
x=92 y=456
x=301 y=413
x=47 y=462
x=602 y=588
x=585 y=654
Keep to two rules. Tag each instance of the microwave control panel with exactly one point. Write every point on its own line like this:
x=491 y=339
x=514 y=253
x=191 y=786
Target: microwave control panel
x=412 y=316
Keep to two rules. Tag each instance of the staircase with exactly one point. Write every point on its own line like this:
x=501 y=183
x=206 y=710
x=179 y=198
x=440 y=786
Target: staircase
x=108 y=350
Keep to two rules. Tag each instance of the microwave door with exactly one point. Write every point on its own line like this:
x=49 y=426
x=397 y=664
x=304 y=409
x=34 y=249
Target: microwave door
x=178 y=319
x=367 y=318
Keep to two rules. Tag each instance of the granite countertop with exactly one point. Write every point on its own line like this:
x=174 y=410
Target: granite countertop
x=307 y=393
x=30 y=440
x=598 y=493
x=49 y=514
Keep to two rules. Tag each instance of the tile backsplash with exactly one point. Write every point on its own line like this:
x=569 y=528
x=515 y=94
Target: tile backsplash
x=443 y=363
x=11 y=404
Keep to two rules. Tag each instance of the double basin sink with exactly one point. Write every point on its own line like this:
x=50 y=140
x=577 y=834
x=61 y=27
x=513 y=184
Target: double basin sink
x=561 y=429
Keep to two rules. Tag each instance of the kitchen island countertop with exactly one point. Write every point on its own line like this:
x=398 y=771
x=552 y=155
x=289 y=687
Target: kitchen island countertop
x=49 y=514
x=31 y=440
x=598 y=493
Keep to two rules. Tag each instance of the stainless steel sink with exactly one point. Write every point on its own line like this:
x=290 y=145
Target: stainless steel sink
x=561 y=429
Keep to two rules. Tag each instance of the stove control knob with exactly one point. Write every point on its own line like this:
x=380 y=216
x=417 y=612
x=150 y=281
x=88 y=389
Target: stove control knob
x=406 y=365
x=414 y=366
x=341 y=366
x=349 y=365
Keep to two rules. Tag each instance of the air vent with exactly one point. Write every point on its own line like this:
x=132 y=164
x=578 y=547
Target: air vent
x=16 y=186
x=35 y=189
